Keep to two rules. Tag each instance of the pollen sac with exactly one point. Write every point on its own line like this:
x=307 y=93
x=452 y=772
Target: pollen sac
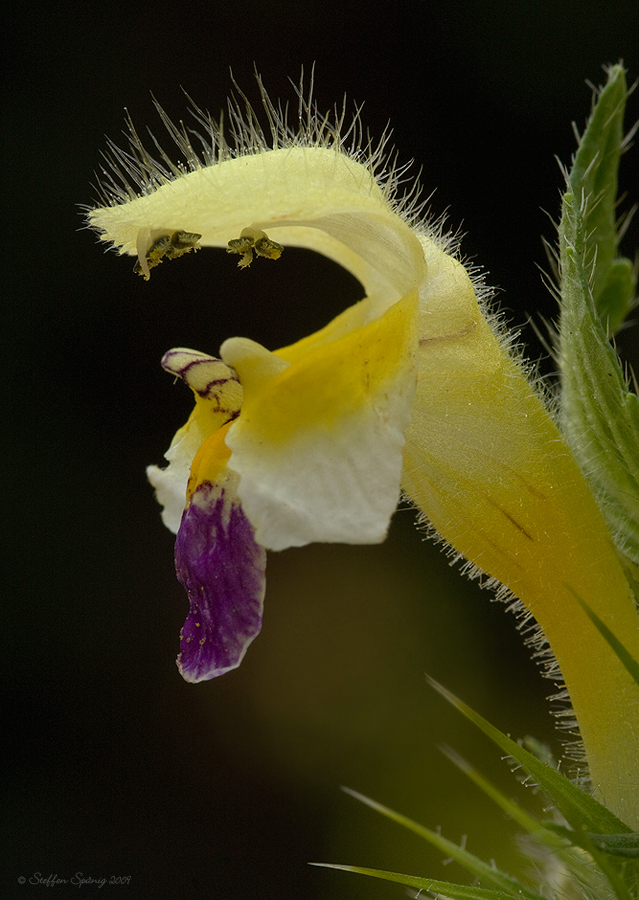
x=266 y=247
x=251 y=240
x=244 y=247
x=167 y=245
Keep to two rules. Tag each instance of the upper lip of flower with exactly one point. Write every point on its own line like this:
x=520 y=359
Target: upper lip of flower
x=305 y=193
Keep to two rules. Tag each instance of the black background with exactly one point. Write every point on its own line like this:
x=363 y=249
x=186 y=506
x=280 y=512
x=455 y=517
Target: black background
x=226 y=790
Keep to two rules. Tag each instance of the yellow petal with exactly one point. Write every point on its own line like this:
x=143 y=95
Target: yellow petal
x=486 y=464
x=318 y=447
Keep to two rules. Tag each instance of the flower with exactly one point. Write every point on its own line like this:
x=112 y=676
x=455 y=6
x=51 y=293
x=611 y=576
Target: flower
x=303 y=444
x=415 y=388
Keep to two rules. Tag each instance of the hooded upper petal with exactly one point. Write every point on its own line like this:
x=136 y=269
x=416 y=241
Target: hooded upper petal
x=302 y=196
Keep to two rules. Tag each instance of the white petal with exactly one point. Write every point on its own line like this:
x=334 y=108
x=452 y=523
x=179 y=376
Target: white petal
x=318 y=447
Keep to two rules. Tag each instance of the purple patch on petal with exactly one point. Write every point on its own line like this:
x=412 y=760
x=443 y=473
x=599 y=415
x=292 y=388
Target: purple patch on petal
x=222 y=569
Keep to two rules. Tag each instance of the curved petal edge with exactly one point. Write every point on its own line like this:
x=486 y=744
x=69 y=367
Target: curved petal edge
x=222 y=569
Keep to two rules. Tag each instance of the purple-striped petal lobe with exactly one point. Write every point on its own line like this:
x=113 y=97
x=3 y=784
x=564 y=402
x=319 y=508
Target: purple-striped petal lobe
x=222 y=569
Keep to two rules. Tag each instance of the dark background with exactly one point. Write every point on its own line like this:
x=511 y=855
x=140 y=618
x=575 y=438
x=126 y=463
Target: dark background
x=226 y=790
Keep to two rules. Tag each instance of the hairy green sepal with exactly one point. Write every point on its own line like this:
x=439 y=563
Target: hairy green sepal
x=609 y=843
x=496 y=880
x=586 y=816
x=454 y=891
x=593 y=180
x=579 y=809
x=600 y=414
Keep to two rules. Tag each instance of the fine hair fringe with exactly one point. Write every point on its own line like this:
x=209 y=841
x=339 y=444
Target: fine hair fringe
x=133 y=170
x=573 y=759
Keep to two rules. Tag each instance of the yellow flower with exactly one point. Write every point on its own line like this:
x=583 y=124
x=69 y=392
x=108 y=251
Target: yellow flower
x=411 y=388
